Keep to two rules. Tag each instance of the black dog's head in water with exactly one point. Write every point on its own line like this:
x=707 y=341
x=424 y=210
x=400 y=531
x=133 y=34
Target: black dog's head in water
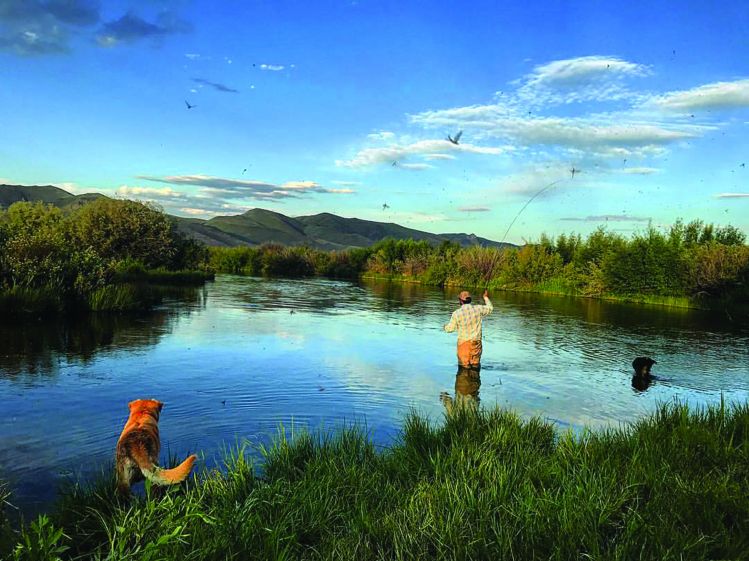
x=642 y=378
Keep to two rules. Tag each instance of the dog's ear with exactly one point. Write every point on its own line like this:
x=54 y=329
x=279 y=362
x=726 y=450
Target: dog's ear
x=132 y=404
x=159 y=405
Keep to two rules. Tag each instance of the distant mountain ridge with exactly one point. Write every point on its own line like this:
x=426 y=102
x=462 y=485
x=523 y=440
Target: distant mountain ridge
x=258 y=226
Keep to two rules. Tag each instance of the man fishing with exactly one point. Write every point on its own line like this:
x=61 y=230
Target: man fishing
x=467 y=320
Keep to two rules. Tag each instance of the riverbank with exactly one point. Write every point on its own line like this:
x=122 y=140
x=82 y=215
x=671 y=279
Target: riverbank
x=108 y=255
x=557 y=288
x=478 y=485
x=128 y=293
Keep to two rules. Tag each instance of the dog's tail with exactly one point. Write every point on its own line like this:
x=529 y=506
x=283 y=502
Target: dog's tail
x=160 y=476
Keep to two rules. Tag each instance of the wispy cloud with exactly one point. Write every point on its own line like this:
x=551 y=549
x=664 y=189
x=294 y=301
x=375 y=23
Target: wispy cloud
x=128 y=191
x=474 y=209
x=575 y=80
x=234 y=188
x=215 y=85
x=732 y=195
x=422 y=148
x=346 y=183
x=718 y=95
x=381 y=135
x=608 y=218
x=272 y=67
x=131 y=28
x=639 y=170
x=625 y=123
x=583 y=70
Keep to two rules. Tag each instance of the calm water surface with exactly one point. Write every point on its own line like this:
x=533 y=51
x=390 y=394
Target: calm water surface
x=233 y=362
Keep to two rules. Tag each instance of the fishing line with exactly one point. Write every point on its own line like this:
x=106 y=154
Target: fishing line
x=526 y=204
x=529 y=201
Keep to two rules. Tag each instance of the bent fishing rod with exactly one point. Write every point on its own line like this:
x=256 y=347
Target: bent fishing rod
x=529 y=201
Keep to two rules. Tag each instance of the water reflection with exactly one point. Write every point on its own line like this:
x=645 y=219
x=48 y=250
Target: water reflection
x=467 y=384
x=239 y=361
x=31 y=346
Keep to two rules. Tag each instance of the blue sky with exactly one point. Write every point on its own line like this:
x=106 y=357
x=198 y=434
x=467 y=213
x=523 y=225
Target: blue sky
x=344 y=107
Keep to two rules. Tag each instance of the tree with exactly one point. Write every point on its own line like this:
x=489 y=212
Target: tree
x=119 y=230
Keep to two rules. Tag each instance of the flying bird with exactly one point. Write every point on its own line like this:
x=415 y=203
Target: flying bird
x=188 y=105
x=244 y=170
x=625 y=161
x=456 y=139
x=385 y=206
x=394 y=163
x=573 y=171
x=743 y=165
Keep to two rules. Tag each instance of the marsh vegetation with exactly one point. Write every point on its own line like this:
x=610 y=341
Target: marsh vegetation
x=480 y=484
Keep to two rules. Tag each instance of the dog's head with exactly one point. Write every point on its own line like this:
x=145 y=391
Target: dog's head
x=642 y=365
x=150 y=406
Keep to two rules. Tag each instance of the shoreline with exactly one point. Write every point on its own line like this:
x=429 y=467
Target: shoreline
x=482 y=483
x=677 y=302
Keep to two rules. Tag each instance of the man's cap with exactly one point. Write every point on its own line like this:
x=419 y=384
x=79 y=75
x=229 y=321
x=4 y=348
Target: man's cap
x=465 y=295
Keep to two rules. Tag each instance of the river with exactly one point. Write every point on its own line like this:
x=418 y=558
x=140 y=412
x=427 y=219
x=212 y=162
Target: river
x=235 y=359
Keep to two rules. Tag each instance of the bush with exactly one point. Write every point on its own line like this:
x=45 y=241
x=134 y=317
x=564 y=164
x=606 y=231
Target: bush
x=50 y=261
x=119 y=229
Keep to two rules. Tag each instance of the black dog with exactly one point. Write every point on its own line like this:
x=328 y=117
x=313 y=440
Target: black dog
x=642 y=378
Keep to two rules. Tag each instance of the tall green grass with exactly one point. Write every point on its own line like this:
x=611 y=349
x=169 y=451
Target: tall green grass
x=20 y=300
x=480 y=485
x=128 y=297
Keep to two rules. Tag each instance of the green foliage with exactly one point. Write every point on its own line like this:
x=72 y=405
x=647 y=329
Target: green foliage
x=41 y=542
x=50 y=261
x=683 y=262
x=483 y=484
x=6 y=534
x=127 y=229
x=278 y=260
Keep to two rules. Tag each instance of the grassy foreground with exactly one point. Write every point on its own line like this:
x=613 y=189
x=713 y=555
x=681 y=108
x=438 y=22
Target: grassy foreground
x=484 y=485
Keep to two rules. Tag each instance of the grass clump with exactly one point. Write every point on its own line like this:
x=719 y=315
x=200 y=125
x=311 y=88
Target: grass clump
x=481 y=485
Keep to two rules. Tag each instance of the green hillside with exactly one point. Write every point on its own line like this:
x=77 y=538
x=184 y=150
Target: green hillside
x=10 y=194
x=257 y=226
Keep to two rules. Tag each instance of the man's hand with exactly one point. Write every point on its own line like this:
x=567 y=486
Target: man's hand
x=486 y=294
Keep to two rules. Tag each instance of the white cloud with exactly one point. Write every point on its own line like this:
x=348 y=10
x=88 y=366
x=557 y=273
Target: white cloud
x=579 y=132
x=272 y=67
x=718 y=95
x=346 y=183
x=221 y=189
x=474 y=209
x=128 y=191
x=439 y=156
x=197 y=211
x=415 y=167
x=396 y=152
x=732 y=195
x=581 y=70
x=381 y=135
x=301 y=185
x=574 y=80
x=640 y=170
x=341 y=191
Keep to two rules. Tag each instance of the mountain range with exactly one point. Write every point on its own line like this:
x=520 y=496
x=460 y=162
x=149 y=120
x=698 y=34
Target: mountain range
x=258 y=226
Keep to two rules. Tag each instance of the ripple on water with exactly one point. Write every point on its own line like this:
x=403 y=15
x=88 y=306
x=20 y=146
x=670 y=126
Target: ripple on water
x=236 y=363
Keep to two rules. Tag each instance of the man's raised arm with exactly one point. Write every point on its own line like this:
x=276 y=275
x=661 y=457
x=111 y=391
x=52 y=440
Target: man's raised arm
x=487 y=308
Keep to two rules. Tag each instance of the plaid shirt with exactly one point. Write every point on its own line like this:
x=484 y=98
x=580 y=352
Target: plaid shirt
x=467 y=320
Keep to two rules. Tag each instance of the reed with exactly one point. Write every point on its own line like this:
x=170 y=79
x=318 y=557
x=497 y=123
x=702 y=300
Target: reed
x=126 y=297
x=480 y=485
